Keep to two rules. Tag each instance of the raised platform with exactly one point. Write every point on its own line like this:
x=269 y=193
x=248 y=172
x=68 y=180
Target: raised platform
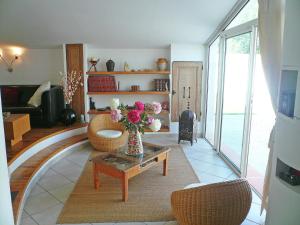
x=39 y=150
x=37 y=139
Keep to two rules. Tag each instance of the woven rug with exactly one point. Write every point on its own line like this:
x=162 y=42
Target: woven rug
x=148 y=199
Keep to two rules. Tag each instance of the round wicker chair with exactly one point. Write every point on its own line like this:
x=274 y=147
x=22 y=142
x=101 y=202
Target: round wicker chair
x=225 y=203
x=104 y=122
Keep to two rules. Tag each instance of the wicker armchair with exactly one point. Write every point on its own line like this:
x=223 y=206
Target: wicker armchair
x=225 y=203
x=104 y=122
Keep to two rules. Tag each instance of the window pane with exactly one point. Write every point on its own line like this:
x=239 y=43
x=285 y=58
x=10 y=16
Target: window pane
x=248 y=13
x=235 y=93
x=213 y=75
x=263 y=118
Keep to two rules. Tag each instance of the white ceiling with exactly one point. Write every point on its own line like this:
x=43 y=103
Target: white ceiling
x=111 y=23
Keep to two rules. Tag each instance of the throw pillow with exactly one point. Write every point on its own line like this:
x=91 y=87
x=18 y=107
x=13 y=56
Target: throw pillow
x=36 y=99
x=9 y=96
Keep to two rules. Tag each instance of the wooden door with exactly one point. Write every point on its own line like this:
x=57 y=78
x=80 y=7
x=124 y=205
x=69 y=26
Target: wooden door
x=74 y=59
x=186 y=85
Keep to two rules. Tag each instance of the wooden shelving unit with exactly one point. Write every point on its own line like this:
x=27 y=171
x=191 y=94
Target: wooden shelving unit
x=130 y=93
x=96 y=112
x=152 y=72
x=165 y=127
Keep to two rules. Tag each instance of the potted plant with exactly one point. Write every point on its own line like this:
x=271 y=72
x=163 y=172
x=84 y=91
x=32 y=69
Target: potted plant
x=136 y=120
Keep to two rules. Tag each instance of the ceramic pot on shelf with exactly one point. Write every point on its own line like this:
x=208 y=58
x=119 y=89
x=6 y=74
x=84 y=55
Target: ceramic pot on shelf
x=68 y=116
x=110 y=65
x=162 y=64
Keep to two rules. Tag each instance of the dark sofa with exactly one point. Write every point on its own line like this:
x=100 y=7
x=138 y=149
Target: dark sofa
x=15 y=97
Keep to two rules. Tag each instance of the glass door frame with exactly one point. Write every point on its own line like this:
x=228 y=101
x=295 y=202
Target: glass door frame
x=214 y=145
x=249 y=27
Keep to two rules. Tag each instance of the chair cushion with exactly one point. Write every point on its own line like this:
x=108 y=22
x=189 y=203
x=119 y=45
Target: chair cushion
x=194 y=185
x=109 y=133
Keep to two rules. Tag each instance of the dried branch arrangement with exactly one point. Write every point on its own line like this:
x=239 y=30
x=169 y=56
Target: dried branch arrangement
x=70 y=83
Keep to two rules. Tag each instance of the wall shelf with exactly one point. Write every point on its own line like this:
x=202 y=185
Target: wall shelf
x=130 y=93
x=96 y=112
x=103 y=73
x=162 y=129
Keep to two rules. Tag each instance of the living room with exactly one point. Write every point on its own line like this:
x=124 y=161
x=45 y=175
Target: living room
x=153 y=113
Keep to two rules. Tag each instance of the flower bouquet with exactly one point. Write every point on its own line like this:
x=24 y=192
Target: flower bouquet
x=135 y=120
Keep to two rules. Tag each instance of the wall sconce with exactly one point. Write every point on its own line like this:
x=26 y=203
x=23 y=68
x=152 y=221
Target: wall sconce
x=9 y=64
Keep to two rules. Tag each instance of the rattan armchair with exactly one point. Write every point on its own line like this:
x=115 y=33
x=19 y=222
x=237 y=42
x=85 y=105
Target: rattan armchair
x=225 y=203
x=104 y=122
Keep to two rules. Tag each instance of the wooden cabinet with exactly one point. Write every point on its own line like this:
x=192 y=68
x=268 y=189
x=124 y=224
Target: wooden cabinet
x=186 y=92
x=74 y=59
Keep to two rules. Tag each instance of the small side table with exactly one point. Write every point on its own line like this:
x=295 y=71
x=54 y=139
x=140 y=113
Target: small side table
x=15 y=126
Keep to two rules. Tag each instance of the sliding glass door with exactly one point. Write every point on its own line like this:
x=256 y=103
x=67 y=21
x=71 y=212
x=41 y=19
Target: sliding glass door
x=213 y=76
x=236 y=77
x=262 y=121
x=239 y=115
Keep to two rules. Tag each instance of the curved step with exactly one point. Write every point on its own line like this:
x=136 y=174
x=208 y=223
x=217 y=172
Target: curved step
x=38 y=139
x=25 y=176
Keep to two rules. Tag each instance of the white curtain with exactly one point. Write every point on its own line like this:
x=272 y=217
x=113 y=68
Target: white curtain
x=270 y=26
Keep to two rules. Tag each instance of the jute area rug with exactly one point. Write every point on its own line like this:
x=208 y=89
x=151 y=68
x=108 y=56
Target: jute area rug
x=148 y=199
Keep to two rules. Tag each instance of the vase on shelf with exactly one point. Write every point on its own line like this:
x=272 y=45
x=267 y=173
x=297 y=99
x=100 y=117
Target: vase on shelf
x=135 y=145
x=110 y=65
x=68 y=116
x=162 y=64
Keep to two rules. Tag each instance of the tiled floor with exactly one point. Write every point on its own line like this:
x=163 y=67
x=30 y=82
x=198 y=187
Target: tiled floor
x=47 y=198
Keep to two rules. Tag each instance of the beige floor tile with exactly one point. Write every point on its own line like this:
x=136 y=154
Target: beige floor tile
x=39 y=203
x=62 y=193
x=28 y=221
x=49 y=216
x=55 y=181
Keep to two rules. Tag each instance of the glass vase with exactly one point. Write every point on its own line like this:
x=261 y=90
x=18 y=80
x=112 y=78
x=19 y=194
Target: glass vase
x=135 y=145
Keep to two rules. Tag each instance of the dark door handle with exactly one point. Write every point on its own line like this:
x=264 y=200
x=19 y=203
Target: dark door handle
x=189 y=92
x=173 y=92
x=183 y=92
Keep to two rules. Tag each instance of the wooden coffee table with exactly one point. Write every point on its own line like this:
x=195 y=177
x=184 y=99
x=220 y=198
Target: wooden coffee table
x=124 y=167
x=15 y=126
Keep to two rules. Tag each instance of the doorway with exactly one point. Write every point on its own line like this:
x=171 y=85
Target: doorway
x=186 y=88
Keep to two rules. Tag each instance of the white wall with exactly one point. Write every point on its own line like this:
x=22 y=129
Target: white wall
x=284 y=199
x=187 y=52
x=34 y=67
x=6 y=213
x=137 y=59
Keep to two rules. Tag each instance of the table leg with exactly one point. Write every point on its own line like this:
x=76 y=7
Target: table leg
x=96 y=177
x=125 y=187
x=165 y=172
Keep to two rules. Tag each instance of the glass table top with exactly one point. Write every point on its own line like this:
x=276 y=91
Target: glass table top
x=121 y=161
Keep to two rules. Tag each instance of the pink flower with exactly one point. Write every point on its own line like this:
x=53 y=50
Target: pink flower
x=139 y=106
x=156 y=107
x=134 y=116
x=150 y=120
x=116 y=115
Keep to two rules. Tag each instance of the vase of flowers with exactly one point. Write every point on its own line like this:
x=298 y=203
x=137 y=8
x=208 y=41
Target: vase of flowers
x=70 y=83
x=136 y=120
